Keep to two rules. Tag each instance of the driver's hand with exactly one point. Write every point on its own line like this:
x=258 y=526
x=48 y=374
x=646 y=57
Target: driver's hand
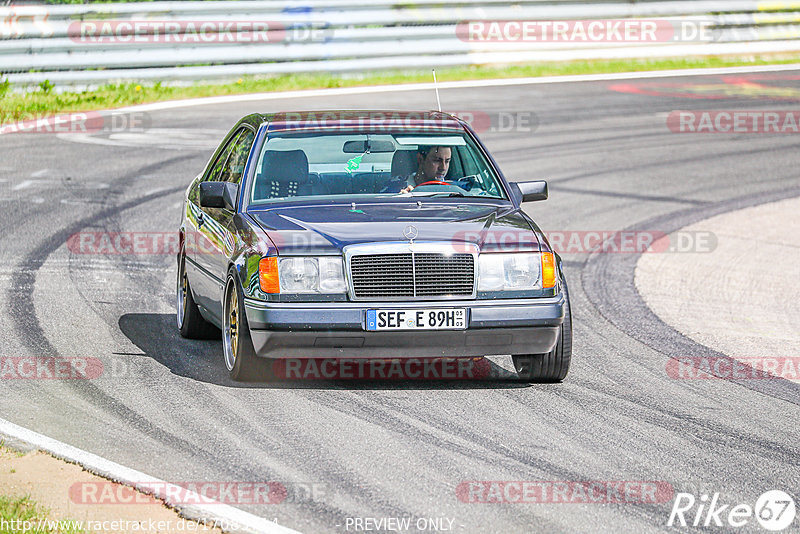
x=407 y=189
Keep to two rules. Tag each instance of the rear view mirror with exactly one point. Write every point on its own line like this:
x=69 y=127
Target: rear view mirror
x=359 y=147
x=530 y=191
x=218 y=195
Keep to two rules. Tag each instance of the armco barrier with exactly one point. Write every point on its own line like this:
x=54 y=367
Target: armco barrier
x=91 y=44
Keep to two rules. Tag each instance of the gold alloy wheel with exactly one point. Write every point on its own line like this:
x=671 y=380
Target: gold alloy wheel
x=230 y=326
x=184 y=292
x=233 y=322
x=181 y=290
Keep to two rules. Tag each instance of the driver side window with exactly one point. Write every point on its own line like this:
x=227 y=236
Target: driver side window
x=473 y=168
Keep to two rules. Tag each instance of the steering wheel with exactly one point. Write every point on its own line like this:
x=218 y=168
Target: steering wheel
x=433 y=182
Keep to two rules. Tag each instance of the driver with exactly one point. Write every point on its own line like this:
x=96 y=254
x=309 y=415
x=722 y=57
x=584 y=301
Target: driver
x=432 y=165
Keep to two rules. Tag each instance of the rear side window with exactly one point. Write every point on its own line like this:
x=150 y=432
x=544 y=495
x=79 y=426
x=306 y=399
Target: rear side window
x=219 y=163
x=221 y=171
x=234 y=167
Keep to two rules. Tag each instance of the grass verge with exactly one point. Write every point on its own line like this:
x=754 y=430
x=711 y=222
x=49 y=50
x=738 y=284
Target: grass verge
x=9 y=450
x=23 y=515
x=15 y=106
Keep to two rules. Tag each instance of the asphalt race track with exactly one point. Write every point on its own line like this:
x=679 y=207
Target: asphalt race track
x=165 y=406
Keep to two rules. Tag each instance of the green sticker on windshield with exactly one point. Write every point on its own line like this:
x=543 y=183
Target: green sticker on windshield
x=354 y=164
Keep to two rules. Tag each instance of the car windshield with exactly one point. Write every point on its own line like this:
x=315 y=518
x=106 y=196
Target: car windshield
x=401 y=164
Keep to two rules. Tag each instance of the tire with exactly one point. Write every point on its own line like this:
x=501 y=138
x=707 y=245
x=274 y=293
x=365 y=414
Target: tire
x=554 y=365
x=240 y=357
x=190 y=323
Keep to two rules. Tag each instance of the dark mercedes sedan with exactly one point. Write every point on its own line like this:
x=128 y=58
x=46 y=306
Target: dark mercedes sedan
x=365 y=234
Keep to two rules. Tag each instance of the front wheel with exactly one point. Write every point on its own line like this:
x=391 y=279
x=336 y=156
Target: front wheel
x=554 y=365
x=240 y=357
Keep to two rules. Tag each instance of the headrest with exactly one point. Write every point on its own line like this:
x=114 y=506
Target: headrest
x=285 y=166
x=404 y=162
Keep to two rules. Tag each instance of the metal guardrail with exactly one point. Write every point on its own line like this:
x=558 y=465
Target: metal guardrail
x=99 y=43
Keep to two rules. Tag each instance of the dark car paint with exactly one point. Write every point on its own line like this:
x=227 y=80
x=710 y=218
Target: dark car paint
x=235 y=241
x=327 y=229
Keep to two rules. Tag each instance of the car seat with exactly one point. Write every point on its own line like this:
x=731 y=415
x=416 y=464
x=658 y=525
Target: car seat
x=283 y=173
x=404 y=162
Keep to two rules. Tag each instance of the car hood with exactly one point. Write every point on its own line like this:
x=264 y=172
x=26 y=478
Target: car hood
x=326 y=228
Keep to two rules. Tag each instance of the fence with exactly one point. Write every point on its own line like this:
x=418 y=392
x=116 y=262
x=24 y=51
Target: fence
x=97 y=43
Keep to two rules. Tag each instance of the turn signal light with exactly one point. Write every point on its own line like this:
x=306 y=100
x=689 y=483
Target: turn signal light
x=268 y=275
x=548 y=270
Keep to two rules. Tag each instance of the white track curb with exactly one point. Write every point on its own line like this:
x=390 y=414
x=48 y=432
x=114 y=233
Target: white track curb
x=237 y=520
x=308 y=93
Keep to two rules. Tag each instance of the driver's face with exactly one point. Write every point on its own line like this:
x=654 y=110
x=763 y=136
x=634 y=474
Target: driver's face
x=435 y=164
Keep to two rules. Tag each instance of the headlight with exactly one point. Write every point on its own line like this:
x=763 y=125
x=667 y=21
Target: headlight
x=311 y=275
x=331 y=275
x=516 y=271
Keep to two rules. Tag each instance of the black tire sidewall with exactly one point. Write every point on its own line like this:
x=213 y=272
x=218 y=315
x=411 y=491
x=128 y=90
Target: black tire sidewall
x=558 y=359
x=247 y=365
x=194 y=325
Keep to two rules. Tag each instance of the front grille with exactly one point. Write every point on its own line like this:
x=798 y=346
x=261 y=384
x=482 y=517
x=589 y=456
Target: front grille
x=412 y=275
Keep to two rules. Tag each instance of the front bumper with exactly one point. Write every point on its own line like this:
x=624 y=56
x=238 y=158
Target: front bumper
x=337 y=330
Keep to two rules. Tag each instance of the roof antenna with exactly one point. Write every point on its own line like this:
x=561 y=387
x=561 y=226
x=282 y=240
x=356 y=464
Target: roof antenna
x=436 y=88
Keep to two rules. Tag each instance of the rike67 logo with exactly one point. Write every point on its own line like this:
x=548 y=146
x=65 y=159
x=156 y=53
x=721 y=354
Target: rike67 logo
x=774 y=510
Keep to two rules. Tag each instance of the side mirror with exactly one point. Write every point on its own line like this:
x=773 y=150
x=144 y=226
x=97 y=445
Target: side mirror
x=530 y=191
x=218 y=195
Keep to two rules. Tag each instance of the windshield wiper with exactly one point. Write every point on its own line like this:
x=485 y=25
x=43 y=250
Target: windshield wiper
x=428 y=194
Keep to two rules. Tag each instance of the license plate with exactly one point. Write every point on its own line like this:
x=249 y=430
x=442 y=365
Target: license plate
x=430 y=319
